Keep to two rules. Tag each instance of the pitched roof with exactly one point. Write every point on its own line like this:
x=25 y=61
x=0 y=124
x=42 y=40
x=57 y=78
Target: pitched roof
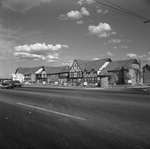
x=55 y=70
x=25 y=70
x=122 y=64
x=94 y=64
x=147 y=66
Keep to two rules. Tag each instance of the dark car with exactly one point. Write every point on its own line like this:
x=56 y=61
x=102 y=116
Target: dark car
x=17 y=83
x=7 y=84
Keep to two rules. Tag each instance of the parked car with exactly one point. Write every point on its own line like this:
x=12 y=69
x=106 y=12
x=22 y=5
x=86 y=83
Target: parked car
x=7 y=84
x=17 y=83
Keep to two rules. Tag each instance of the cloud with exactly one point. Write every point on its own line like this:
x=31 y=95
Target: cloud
x=114 y=41
x=95 y=58
x=109 y=53
x=30 y=56
x=75 y=15
x=104 y=55
x=100 y=11
x=80 y=22
x=21 y=5
x=125 y=47
x=69 y=63
x=131 y=55
x=81 y=2
x=142 y=57
x=38 y=51
x=102 y=30
x=7 y=41
x=24 y=55
x=116 y=47
x=40 y=47
x=84 y=11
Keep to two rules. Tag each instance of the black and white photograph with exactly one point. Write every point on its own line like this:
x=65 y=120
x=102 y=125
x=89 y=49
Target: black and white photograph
x=74 y=74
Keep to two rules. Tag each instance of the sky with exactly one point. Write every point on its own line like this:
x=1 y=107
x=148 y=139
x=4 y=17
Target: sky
x=55 y=32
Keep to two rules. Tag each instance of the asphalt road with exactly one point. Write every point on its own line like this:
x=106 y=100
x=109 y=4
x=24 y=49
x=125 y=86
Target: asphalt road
x=36 y=118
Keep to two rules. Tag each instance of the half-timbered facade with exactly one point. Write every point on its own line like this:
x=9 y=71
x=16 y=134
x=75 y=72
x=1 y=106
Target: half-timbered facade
x=86 y=71
x=75 y=73
x=57 y=74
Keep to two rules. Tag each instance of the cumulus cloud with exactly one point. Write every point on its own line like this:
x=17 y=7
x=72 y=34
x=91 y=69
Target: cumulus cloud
x=84 y=11
x=24 y=55
x=40 y=47
x=95 y=58
x=81 y=2
x=30 y=56
x=80 y=22
x=21 y=5
x=131 y=55
x=109 y=53
x=114 y=41
x=142 y=57
x=38 y=51
x=68 y=63
x=125 y=47
x=116 y=47
x=75 y=15
x=100 y=11
x=102 y=30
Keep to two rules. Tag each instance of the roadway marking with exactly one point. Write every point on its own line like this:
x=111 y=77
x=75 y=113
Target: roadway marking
x=50 y=111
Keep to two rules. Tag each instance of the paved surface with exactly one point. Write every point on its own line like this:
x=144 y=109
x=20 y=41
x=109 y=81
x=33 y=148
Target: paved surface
x=36 y=118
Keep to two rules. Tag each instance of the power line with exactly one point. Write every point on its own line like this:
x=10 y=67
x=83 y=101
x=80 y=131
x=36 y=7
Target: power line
x=123 y=10
x=132 y=13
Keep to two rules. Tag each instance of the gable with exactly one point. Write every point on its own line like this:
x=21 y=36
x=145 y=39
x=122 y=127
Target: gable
x=39 y=71
x=103 y=66
x=75 y=67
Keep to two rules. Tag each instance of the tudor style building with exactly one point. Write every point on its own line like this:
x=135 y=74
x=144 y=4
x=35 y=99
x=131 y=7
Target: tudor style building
x=124 y=72
x=102 y=71
x=42 y=74
x=87 y=71
x=28 y=74
x=146 y=74
x=57 y=74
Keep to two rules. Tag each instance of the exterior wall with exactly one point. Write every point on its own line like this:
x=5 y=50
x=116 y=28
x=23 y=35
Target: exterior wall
x=52 y=77
x=18 y=76
x=75 y=73
x=134 y=76
x=27 y=78
x=63 y=77
x=131 y=76
x=33 y=77
x=90 y=77
x=116 y=77
x=104 y=82
x=146 y=74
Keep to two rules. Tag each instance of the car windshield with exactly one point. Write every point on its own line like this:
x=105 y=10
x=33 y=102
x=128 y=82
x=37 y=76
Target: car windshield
x=6 y=81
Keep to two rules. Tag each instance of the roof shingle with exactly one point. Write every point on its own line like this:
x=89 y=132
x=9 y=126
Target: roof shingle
x=94 y=64
x=122 y=64
x=25 y=71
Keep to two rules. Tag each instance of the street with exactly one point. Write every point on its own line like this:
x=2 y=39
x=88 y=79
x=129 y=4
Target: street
x=55 y=118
